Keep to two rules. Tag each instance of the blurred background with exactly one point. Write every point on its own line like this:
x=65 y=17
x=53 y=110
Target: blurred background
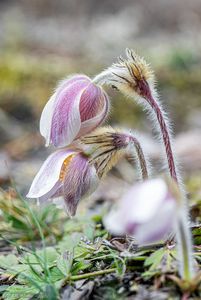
x=42 y=41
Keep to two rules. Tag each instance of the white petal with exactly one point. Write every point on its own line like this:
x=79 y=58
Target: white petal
x=160 y=225
x=48 y=175
x=66 y=119
x=143 y=200
x=46 y=119
x=114 y=222
x=51 y=193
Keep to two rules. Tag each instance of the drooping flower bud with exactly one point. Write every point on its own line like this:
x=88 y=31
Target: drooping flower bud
x=108 y=146
x=76 y=108
x=67 y=174
x=133 y=77
x=74 y=174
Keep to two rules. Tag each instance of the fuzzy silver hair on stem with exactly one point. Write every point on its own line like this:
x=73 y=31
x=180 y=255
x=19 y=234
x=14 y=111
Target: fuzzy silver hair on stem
x=134 y=78
x=108 y=146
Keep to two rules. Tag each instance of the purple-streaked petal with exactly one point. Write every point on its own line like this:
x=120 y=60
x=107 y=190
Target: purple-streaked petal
x=79 y=182
x=91 y=102
x=69 y=80
x=47 y=113
x=103 y=109
x=66 y=120
x=46 y=182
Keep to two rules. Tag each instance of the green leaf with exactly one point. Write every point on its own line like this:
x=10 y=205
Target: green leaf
x=69 y=242
x=51 y=255
x=50 y=293
x=160 y=261
x=38 y=258
x=9 y=261
x=56 y=274
x=18 y=292
x=154 y=259
x=197 y=235
x=3 y=288
x=64 y=263
x=80 y=266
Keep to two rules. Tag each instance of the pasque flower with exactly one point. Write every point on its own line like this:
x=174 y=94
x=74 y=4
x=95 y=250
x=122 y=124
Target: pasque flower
x=134 y=78
x=74 y=174
x=65 y=173
x=108 y=146
x=76 y=108
x=147 y=212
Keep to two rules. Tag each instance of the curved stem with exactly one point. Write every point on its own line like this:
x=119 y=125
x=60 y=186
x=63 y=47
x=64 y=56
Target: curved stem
x=141 y=158
x=104 y=78
x=183 y=233
x=166 y=137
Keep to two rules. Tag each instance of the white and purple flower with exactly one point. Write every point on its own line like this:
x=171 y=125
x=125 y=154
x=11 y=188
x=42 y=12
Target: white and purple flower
x=147 y=212
x=66 y=174
x=76 y=108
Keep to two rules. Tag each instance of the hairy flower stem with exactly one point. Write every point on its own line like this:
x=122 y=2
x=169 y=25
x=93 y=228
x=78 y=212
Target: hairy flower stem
x=102 y=79
x=141 y=158
x=166 y=137
x=183 y=234
x=184 y=248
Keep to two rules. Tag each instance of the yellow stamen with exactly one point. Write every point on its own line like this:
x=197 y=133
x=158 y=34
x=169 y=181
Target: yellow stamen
x=64 y=166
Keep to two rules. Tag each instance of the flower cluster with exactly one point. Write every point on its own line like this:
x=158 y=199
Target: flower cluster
x=74 y=172
x=71 y=120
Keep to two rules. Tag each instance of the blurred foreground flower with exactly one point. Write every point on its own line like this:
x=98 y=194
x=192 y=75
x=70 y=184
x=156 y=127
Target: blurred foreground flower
x=65 y=173
x=76 y=108
x=147 y=211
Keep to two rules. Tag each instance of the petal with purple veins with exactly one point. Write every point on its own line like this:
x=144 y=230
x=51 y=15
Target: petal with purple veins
x=49 y=109
x=66 y=119
x=102 y=110
x=80 y=181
